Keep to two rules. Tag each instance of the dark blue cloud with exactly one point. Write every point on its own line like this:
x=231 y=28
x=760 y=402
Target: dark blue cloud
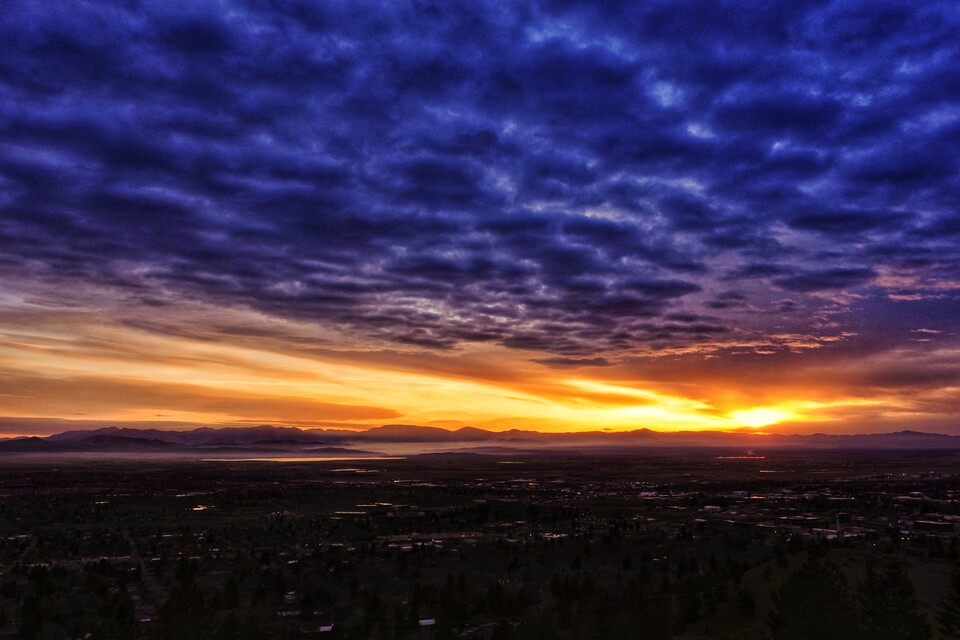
x=580 y=179
x=825 y=279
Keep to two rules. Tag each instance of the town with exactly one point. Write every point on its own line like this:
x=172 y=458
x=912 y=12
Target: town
x=692 y=545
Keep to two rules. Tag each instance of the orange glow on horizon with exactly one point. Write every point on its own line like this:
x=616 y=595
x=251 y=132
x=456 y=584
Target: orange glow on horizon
x=65 y=364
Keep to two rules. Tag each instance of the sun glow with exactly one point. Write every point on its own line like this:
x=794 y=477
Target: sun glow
x=761 y=416
x=75 y=365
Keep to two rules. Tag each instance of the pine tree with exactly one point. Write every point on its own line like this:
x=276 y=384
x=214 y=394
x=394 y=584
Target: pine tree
x=889 y=607
x=950 y=612
x=231 y=594
x=814 y=603
x=745 y=603
x=185 y=615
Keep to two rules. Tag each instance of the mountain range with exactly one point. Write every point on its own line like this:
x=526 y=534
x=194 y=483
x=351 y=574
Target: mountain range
x=340 y=441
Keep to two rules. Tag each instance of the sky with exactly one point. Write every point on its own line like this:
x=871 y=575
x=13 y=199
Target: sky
x=544 y=215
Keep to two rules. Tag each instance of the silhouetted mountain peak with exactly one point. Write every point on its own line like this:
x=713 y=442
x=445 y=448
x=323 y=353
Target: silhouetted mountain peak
x=123 y=438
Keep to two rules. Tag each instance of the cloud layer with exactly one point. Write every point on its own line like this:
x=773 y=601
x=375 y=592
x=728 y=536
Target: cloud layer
x=589 y=183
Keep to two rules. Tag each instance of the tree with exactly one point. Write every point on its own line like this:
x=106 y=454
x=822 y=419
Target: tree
x=950 y=612
x=231 y=594
x=889 y=606
x=31 y=618
x=814 y=603
x=746 y=605
x=185 y=615
x=503 y=631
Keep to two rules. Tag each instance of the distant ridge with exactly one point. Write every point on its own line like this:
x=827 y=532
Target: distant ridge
x=291 y=438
